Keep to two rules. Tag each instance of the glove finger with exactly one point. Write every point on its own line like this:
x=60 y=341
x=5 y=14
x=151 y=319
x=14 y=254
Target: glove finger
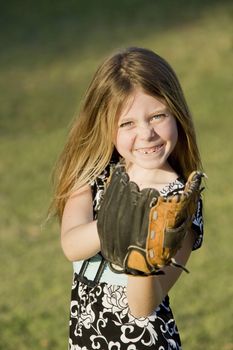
x=193 y=183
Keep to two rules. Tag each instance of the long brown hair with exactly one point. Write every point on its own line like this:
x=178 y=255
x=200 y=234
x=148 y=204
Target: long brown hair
x=90 y=143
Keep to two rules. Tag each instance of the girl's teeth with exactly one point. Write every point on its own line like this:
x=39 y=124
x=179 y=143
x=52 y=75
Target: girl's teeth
x=151 y=150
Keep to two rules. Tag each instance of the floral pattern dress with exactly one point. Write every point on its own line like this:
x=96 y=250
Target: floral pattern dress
x=99 y=315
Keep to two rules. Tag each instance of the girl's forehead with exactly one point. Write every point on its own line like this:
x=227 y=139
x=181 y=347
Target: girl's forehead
x=139 y=98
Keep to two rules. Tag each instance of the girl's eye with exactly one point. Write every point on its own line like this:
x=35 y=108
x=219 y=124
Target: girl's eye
x=126 y=124
x=158 y=117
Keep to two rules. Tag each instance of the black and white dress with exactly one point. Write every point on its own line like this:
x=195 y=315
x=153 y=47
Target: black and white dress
x=99 y=313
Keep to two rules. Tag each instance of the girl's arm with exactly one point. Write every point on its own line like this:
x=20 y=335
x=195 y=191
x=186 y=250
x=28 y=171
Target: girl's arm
x=79 y=237
x=146 y=293
x=80 y=240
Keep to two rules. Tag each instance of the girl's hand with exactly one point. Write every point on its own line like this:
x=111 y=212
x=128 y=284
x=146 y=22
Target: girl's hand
x=151 y=290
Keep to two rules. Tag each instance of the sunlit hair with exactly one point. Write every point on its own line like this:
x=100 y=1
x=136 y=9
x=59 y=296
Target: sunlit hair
x=90 y=143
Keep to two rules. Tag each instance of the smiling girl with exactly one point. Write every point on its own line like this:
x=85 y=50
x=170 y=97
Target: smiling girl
x=146 y=136
x=134 y=111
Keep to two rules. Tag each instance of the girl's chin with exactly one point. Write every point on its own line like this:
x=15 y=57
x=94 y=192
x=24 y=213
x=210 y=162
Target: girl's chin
x=150 y=165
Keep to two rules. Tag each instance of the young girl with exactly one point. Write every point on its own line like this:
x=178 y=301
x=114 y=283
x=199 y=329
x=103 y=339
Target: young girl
x=134 y=111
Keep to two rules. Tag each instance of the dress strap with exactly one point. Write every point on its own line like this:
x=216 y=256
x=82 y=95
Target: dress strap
x=81 y=274
x=84 y=267
x=100 y=271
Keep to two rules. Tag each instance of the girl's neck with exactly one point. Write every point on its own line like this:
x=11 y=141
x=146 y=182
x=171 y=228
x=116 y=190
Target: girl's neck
x=155 y=178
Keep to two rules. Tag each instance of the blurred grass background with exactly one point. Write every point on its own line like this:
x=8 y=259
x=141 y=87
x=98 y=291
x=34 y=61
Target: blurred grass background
x=49 y=52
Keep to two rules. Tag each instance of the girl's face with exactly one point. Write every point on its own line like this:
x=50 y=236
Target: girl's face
x=146 y=133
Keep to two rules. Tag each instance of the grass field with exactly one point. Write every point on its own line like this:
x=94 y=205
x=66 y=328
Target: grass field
x=48 y=55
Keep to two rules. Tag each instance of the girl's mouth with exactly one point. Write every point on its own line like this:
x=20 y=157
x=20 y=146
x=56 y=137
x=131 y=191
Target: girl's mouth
x=150 y=150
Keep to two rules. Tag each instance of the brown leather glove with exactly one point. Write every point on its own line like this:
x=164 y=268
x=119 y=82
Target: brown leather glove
x=140 y=231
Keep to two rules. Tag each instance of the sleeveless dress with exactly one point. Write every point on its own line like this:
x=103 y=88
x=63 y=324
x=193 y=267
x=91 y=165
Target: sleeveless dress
x=99 y=313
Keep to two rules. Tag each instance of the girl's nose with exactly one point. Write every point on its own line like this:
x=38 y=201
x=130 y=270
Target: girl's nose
x=146 y=132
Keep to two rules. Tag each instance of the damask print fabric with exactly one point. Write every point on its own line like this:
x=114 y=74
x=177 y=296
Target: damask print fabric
x=100 y=316
x=100 y=319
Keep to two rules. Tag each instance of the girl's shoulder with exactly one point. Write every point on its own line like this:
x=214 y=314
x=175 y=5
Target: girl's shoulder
x=99 y=182
x=98 y=186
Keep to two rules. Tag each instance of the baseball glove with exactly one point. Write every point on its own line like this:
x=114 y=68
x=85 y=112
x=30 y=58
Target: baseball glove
x=140 y=231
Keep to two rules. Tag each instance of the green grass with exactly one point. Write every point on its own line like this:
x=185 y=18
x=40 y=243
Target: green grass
x=48 y=55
